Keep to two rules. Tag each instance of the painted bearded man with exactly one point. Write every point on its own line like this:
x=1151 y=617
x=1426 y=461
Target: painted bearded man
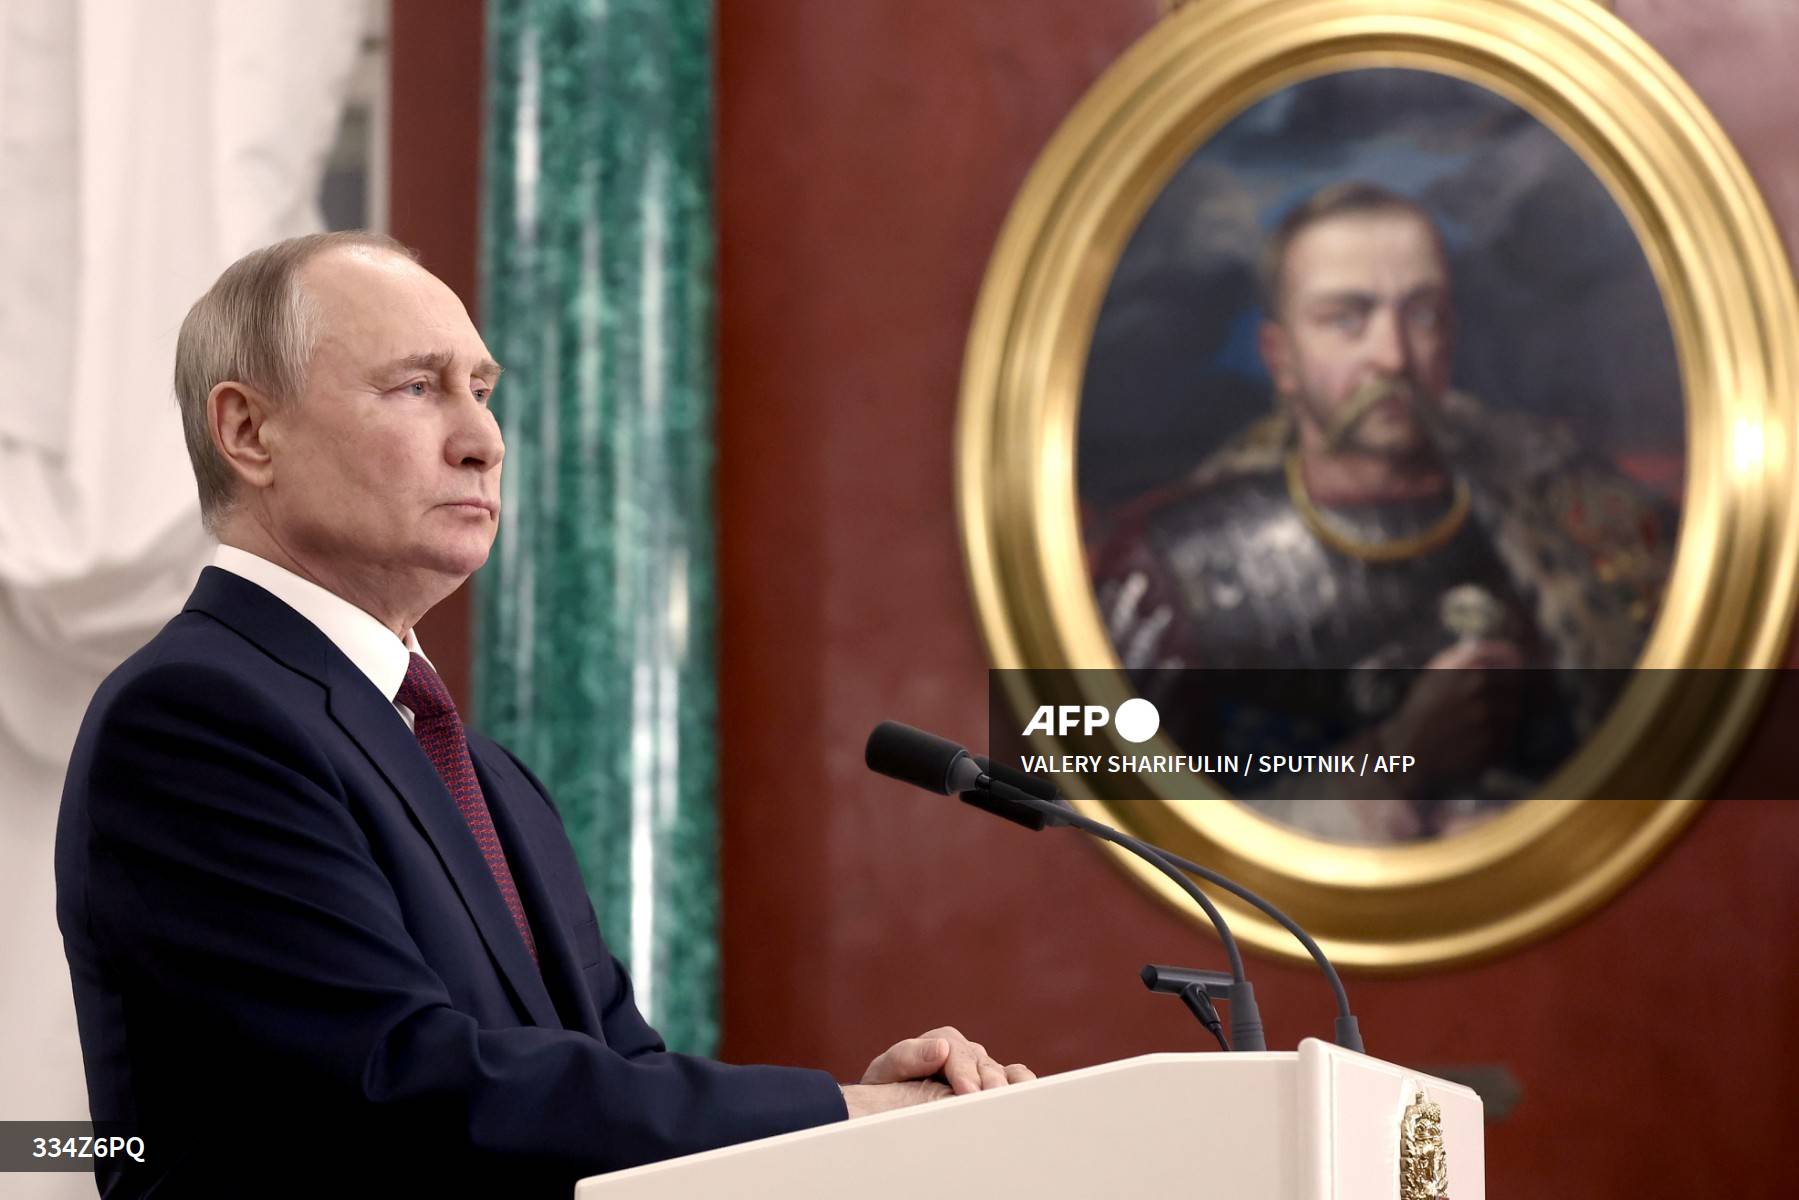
x=1382 y=521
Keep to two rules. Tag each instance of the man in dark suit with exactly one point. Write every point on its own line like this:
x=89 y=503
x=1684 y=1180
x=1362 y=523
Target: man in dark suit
x=320 y=936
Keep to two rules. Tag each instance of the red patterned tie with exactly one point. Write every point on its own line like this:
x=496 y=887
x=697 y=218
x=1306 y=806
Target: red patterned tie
x=439 y=731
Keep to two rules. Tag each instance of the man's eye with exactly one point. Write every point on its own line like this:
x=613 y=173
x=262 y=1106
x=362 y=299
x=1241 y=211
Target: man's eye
x=1350 y=322
x=417 y=387
x=1424 y=317
x=482 y=393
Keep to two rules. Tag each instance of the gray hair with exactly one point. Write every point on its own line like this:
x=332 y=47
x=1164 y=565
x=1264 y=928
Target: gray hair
x=254 y=326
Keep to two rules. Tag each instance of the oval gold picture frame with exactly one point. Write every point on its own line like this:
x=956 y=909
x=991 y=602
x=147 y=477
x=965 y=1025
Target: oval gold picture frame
x=1729 y=297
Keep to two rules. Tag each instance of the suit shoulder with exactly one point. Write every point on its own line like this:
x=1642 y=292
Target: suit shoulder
x=175 y=738
x=197 y=688
x=195 y=659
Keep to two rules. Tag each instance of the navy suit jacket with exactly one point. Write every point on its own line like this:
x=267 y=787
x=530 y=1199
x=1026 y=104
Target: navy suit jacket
x=294 y=972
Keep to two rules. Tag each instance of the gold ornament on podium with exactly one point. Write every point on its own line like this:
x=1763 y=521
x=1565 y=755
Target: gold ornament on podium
x=1423 y=1162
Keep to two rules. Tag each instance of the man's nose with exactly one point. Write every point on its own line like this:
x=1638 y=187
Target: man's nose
x=1386 y=343
x=475 y=441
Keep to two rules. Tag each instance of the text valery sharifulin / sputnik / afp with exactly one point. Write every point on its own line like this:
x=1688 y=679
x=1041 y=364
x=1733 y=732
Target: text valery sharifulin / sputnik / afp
x=1247 y=765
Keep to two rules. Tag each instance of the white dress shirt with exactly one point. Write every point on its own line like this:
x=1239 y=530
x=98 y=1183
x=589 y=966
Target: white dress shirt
x=365 y=641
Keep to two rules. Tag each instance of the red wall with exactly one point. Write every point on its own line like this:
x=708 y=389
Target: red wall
x=867 y=154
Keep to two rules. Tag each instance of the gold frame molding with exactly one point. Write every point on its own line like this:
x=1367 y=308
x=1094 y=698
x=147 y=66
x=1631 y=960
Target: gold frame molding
x=1729 y=296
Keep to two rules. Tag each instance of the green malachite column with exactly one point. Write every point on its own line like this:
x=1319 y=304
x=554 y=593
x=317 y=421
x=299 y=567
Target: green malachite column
x=594 y=635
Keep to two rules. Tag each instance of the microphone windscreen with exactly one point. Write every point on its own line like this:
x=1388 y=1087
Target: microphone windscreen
x=915 y=757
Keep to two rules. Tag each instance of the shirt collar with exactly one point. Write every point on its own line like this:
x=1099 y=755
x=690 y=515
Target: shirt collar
x=366 y=642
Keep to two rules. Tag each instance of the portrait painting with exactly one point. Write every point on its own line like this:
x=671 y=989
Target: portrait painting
x=1403 y=399
x=1381 y=449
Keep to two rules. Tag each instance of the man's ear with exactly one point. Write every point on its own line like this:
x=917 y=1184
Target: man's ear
x=1276 y=346
x=237 y=415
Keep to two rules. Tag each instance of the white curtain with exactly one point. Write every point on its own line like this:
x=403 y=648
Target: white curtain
x=143 y=146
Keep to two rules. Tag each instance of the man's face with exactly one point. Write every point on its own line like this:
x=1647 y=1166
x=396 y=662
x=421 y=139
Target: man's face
x=386 y=469
x=1364 y=309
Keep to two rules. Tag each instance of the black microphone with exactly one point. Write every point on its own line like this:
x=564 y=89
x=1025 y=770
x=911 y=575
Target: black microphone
x=938 y=765
x=921 y=759
x=1040 y=791
x=930 y=762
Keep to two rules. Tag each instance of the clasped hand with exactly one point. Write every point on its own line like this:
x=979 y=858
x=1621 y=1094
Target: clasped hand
x=929 y=1067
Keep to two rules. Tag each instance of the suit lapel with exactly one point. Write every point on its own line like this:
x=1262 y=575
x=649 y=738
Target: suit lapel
x=368 y=719
x=371 y=722
x=556 y=952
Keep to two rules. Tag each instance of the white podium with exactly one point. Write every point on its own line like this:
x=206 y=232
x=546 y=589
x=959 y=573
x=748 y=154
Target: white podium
x=1317 y=1124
